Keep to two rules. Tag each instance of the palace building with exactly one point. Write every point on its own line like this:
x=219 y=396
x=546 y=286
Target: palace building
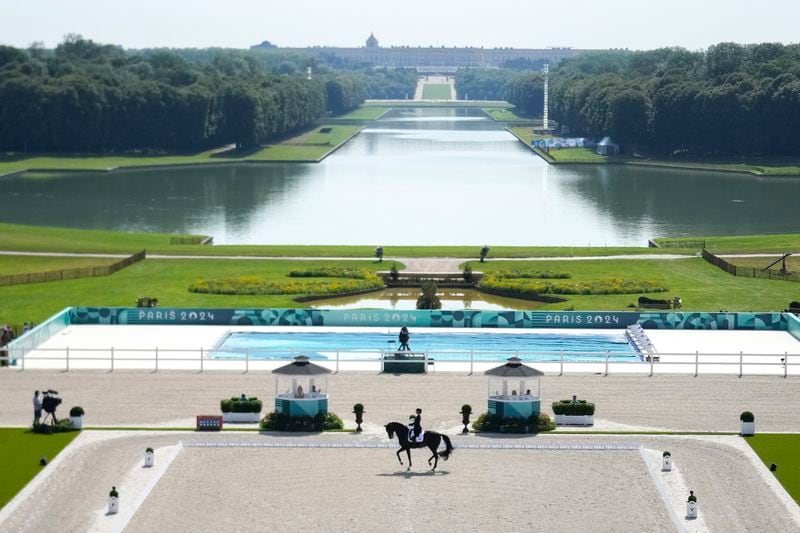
x=419 y=56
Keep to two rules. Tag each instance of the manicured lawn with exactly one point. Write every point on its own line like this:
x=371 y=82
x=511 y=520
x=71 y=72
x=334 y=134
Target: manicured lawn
x=792 y=263
x=20 y=452
x=423 y=103
x=577 y=155
x=702 y=286
x=365 y=113
x=12 y=163
x=311 y=146
x=778 y=243
x=525 y=134
x=766 y=166
x=436 y=91
x=502 y=114
x=47 y=239
x=782 y=450
x=20 y=264
x=167 y=280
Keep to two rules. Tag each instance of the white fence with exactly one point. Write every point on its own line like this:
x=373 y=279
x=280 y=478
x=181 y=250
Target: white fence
x=202 y=360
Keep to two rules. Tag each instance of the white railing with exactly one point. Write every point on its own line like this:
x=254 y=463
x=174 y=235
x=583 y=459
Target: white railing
x=202 y=359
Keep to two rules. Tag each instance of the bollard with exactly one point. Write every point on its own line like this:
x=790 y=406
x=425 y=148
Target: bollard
x=113 y=501
x=149 y=458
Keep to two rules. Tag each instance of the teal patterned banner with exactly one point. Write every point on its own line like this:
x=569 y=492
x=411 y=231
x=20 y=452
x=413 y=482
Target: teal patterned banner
x=435 y=318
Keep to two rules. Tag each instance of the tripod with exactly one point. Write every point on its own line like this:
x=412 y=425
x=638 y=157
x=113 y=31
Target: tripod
x=51 y=416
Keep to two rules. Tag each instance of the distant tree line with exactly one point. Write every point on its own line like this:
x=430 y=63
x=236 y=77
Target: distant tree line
x=523 y=89
x=87 y=97
x=730 y=99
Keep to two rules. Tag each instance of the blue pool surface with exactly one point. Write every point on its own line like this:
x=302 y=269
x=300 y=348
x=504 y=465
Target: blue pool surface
x=443 y=346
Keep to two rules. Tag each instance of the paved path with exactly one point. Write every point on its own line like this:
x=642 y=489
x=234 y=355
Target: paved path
x=436 y=265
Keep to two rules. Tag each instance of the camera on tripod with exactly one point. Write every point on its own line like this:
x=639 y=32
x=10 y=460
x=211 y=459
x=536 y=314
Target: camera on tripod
x=50 y=403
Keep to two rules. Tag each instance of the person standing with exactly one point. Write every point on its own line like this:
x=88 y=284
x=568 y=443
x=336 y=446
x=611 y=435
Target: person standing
x=404 y=337
x=37 y=407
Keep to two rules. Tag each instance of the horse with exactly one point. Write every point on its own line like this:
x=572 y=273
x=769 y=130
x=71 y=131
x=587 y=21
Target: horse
x=431 y=439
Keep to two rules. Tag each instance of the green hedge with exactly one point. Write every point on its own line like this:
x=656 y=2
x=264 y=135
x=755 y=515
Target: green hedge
x=528 y=274
x=64 y=425
x=332 y=272
x=528 y=287
x=237 y=405
x=255 y=285
x=497 y=424
x=281 y=422
x=570 y=408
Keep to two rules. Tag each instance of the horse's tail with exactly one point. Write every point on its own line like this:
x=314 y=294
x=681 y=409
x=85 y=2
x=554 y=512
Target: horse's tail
x=446 y=454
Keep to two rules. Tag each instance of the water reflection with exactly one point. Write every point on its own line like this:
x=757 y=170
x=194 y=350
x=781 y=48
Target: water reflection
x=423 y=176
x=406 y=298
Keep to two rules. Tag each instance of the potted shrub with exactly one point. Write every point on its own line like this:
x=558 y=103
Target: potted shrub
x=149 y=457
x=666 y=462
x=466 y=410
x=574 y=412
x=242 y=409
x=113 y=501
x=76 y=417
x=358 y=409
x=748 y=423
x=691 y=506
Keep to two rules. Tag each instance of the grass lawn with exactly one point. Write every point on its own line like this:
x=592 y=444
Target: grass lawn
x=762 y=166
x=436 y=91
x=780 y=449
x=365 y=113
x=450 y=103
x=20 y=451
x=503 y=114
x=310 y=146
x=16 y=162
x=20 y=264
x=167 y=280
x=578 y=155
x=702 y=286
x=47 y=239
x=777 y=243
x=525 y=134
x=792 y=263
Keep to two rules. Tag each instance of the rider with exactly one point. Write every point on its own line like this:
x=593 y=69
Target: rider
x=414 y=426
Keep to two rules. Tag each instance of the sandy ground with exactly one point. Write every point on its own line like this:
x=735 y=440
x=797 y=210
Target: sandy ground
x=290 y=489
x=705 y=403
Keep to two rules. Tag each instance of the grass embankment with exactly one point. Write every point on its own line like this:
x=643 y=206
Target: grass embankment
x=20 y=451
x=311 y=146
x=20 y=264
x=782 y=450
x=505 y=115
x=760 y=166
x=449 y=103
x=702 y=286
x=742 y=244
x=167 y=280
x=48 y=239
x=436 y=91
x=365 y=113
x=308 y=147
x=792 y=263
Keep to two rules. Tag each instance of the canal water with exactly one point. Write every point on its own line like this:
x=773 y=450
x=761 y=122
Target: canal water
x=417 y=176
x=406 y=298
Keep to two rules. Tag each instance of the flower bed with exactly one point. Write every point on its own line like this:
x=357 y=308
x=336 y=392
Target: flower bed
x=523 y=286
x=255 y=285
x=498 y=424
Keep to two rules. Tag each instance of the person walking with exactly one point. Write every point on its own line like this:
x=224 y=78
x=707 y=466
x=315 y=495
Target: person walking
x=37 y=407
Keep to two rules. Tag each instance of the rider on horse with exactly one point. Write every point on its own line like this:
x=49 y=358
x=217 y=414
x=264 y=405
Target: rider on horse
x=414 y=426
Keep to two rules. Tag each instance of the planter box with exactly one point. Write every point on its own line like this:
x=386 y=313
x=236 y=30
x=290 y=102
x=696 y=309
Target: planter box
x=77 y=422
x=574 y=420
x=748 y=428
x=241 y=418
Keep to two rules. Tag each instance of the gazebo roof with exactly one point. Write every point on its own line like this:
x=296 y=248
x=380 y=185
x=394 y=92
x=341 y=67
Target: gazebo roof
x=301 y=366
x=514 y=369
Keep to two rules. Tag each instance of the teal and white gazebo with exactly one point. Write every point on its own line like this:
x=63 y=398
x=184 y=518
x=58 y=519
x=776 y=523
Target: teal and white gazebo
x=301 y=388
x=512 y=391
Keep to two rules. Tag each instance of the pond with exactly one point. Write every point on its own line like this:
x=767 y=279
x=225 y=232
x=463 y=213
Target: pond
x=417 y=176
x=406 y=298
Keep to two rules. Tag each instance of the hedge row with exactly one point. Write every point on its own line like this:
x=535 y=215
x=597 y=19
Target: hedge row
x=600 y=286
x=332 y=272
x=499 y=424
x=238 y=405
x=527 y=274
x=283 y=422
x=573 y=408
x=255 y=285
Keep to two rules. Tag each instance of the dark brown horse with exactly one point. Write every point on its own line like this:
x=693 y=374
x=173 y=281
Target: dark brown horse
x=431 y=440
